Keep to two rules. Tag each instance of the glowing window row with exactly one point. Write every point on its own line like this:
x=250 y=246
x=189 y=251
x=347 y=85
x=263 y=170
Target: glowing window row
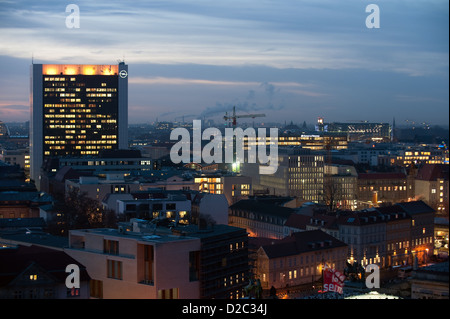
x=71 y=100
x=82 y=140
x=58 y=79
x=66 y=115
x=90 y=116
x=79 y=147
x=66 y=105
x=99 y=95
x=60 y=89
x=101 y=90
x=59 y=115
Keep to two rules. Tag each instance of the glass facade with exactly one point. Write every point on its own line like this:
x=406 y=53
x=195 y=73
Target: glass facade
x=80 y=115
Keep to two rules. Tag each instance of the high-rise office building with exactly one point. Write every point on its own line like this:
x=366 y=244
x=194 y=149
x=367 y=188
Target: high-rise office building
x=300 y=174
x=76 y=110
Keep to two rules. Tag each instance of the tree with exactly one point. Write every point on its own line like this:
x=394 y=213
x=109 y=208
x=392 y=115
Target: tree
x=80 y=211
x=332 y=192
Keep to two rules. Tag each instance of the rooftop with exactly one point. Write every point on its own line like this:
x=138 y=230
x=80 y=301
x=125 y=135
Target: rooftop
x=14 y=261
x=262 y=208
x=302 y=242
x=416 y=207
x=436 y=268
x=11 y=196
x=432 y=172
x=381 y=175
x=157 y=236
x=33 y=237
x=21 y=222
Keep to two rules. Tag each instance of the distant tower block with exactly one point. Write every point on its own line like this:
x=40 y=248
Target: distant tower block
x=76 y=110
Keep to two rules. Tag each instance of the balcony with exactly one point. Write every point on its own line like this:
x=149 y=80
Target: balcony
x=148 y=282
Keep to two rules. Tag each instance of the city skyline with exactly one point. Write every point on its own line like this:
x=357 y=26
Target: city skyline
x=293 y=61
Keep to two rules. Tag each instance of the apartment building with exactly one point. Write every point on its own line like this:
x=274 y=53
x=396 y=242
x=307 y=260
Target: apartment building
x=422 y=228
x=432 y=186
x=398 y=235
x=222 y=263
x=365 y=234
x=234 y=187
x=299 y=259
x=127 y=263
x=389 y=236
x=175 y=208
x=260 y=218
x=97 y=188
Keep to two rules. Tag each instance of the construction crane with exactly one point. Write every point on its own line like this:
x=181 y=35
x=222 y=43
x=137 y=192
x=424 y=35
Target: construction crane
x=232 y=118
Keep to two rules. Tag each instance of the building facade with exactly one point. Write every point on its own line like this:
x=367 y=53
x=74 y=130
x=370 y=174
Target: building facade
x=365 y=234
x=389 y=236
x=432 y=186
x=259 y=218
x=222 y=263
x=174 y=208
x=234 y=187
x=430 y=282
x=422 y=229
x=300 y=174
x=299 y=259
x=76 y=110
x=398 y=236
x=127 y=264
x=374 y=189
x=362 y=131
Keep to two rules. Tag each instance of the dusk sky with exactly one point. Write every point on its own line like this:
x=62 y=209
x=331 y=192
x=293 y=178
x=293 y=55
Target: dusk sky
x=294 y=60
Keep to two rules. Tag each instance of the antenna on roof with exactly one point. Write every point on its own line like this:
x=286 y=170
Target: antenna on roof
x=121 y=61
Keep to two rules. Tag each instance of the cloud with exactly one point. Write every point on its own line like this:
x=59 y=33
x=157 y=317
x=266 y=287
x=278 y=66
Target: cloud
x=269 y=89
x=298 y=57
x=282 y=34
x=184 y=81
x=242 y=108
x=250 y=103
x=14 y=112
